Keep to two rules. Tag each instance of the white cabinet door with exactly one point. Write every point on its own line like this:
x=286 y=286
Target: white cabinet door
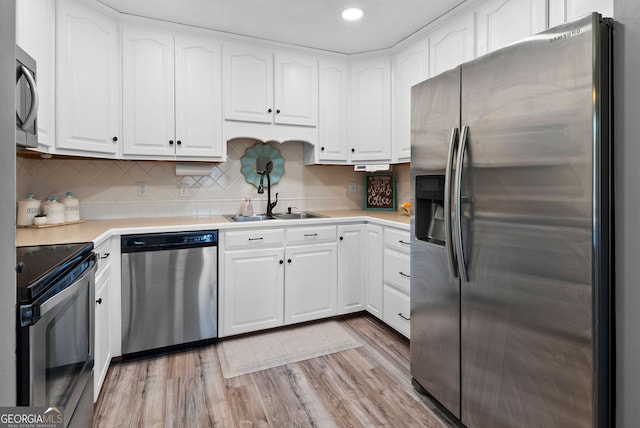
x=561 y=11
x=253 y=284
x=148 y=89
x=371 y=110
x=333 y=120
x=374 y=272
x=501 y=22
x=88 y=70
x=296 y=89
x=248 y=83
x=198 y=97
x=102 y=339
x=351 y=268
x=35 y=33
x=311 y=283
x=451 y=45
x=410 y=66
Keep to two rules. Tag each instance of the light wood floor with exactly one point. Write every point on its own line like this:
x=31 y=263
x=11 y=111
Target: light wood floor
x=362 y=387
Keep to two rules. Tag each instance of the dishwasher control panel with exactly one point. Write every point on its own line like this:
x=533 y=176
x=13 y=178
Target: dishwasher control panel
x=168 y=241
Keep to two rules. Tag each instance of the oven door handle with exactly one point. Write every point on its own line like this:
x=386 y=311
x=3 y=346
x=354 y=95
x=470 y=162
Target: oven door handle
x=67 y=292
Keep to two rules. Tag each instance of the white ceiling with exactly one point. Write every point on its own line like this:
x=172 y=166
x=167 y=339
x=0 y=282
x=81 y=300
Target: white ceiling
x=310 y=23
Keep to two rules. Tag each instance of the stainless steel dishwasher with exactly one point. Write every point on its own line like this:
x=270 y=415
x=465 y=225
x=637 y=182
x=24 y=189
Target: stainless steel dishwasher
x=169 y=289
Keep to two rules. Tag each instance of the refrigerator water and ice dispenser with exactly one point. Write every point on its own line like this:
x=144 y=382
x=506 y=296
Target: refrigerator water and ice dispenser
x=429 y=193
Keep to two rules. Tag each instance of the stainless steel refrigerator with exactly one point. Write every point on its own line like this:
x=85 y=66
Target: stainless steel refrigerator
x=511 y=253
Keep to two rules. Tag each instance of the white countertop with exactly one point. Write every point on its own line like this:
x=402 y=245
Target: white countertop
x=97 y=231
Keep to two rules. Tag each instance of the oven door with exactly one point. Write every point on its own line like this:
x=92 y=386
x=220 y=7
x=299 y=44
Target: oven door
x=59 y=348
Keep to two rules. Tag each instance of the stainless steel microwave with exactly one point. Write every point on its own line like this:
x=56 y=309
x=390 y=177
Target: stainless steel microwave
x=26 y=100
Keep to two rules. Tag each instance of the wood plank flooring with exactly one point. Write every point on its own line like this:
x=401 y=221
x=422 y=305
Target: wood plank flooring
x=363 y=387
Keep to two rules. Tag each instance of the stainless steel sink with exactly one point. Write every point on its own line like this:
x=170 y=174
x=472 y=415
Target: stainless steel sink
x=298 y=215
x=281 y=216
x=256 y=217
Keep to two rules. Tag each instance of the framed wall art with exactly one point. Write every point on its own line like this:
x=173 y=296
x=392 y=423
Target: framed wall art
x=380 y=191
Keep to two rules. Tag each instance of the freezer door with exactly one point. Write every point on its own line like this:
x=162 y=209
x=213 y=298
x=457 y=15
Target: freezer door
x=530 y=168
x=435 y=291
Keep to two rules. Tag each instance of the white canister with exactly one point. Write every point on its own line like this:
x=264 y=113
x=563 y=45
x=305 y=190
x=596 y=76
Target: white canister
x=71 y=208
x=54 y=211
x=27 y=210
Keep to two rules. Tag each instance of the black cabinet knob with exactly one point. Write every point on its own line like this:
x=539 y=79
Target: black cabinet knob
x=281 y=261
x=353 y=150
x=288 y=260
x=114 y=139
x=20 y=267
x=99 y=301
x=179 y=142
x=170 y=142
x=278 y=111
x=322 y=149
x=269 y=110
x=342 y=238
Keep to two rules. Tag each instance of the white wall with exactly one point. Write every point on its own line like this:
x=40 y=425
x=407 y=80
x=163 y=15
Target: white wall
x=107 y=188
x=627 y=187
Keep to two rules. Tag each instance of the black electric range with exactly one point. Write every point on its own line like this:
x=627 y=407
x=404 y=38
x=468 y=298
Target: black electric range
x=39 y=268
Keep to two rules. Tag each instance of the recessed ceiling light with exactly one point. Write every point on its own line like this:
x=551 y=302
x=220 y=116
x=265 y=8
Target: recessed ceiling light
x=352 y=14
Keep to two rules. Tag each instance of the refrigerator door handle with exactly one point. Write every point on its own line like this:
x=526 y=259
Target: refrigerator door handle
x=458 y=202
x=448 y=229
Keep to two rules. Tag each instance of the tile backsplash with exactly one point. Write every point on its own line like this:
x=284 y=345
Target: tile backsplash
x=108 y=188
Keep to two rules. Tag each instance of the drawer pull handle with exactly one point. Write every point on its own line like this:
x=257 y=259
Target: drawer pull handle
x=105 y=255
x=403 y=317
x=404 y=274
x=310 y=234
x=256 y=239
x=404 y=243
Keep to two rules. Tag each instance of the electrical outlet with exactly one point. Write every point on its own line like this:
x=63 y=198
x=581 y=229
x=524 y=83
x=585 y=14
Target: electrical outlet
x=142 y=189
x=184 y=190
x=353 y=187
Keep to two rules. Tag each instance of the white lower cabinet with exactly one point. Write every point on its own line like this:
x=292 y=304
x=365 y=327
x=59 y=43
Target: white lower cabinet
x=311 y=287
x=375 y=250
x=351 y=268
x=265 y=283
x=102 y=328
x=253 y=290
x=397 y=280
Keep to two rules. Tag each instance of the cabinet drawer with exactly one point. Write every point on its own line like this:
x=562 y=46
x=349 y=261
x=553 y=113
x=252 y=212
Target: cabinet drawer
x=397 y=310
x=309 y=235
x=254 y=238
x=398 y=239
x=397 y=269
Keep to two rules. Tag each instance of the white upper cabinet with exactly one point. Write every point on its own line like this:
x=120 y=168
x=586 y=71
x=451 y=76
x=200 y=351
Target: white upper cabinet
x=198 y=95
x=370 y=110
x=501 y=22
x=35 y=33
x=451 y=44
x=410 y=66
x=248 y=83
x=171 y=87
x=267 y=87
x=296 y=89
x=333 y=120
x=88 y=84
x=148 y=92
x=561 y=11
